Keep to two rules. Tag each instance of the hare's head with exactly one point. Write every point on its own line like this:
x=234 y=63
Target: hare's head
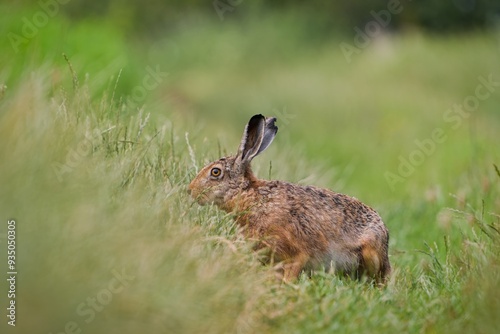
x=220 y=181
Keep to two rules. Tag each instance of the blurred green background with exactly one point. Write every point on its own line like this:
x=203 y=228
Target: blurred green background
x=108 y=109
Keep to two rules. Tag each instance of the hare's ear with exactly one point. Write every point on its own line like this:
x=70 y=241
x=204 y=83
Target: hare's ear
x=270 y=131
x=258 y=135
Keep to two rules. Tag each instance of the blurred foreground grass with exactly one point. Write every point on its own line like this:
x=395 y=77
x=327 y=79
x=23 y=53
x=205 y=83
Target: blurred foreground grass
x=96 y=181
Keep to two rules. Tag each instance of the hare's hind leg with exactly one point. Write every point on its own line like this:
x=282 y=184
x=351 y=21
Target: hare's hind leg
x=370 y=261
x=374 y=263
x=293 y=266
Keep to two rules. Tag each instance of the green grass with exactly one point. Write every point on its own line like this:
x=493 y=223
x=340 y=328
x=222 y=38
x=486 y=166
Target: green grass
x=98 y=185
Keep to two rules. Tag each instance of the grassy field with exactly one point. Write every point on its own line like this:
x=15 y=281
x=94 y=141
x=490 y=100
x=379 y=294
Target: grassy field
x=97 y=152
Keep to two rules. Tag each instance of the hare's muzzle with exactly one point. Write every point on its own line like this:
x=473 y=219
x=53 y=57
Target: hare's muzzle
x=190 y=189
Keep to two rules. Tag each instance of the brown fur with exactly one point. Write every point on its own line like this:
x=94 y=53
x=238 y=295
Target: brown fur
x=303 y=227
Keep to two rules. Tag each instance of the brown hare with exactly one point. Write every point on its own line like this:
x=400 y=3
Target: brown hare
x=303 y=227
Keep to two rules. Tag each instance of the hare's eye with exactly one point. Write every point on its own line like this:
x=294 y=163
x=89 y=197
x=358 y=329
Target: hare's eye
x=215 y=172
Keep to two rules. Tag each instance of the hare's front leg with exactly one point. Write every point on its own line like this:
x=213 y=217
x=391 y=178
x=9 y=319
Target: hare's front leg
x=293 y=266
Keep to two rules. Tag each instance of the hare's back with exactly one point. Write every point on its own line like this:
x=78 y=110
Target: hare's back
x=314 y=205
